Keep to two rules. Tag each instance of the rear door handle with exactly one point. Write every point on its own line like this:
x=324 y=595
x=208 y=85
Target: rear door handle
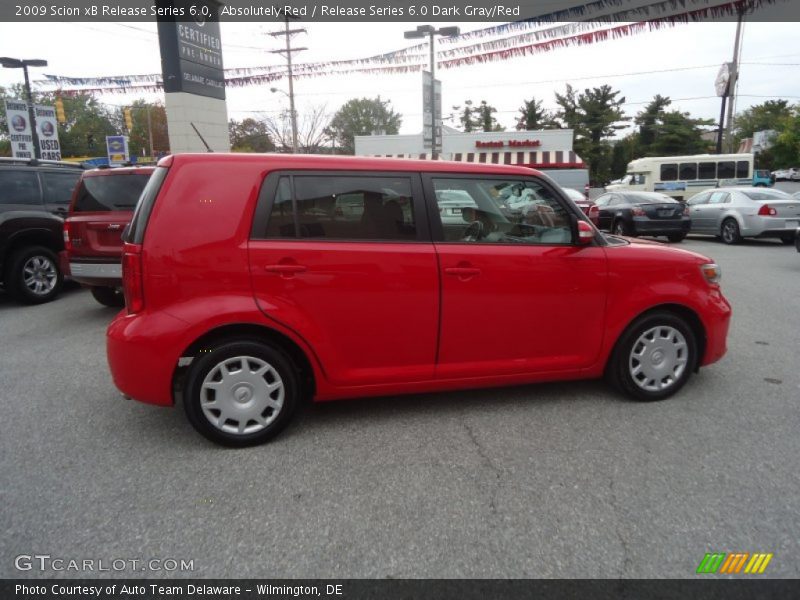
x=462 y=271
x=284 y=269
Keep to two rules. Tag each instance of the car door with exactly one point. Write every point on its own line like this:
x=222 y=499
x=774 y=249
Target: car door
x=714 y=211
x=515 y=297
x=345 y=260
x=700 y=212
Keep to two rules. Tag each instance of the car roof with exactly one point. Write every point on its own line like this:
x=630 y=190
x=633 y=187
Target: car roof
x=6 y=161
x=102 y=172
x=352 y=163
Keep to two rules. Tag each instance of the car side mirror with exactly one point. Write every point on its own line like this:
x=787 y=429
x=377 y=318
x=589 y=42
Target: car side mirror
x=582 y=232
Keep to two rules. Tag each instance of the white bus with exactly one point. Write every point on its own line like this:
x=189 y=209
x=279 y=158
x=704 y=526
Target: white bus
x=684 y=176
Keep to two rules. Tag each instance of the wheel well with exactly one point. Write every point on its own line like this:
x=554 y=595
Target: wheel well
x=249 y=331
x=688 y=315
x=32 y=238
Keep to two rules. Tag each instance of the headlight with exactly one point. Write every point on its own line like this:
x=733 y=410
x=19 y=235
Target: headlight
x=711 y=272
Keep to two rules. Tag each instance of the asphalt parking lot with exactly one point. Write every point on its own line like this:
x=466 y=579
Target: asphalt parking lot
x=558 y=480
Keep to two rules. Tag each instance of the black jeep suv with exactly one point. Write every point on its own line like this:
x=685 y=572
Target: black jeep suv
x=34 y=196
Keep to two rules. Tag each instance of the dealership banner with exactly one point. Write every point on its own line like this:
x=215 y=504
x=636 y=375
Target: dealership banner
x=47 y=131
x=19 y=129
x=703 y=586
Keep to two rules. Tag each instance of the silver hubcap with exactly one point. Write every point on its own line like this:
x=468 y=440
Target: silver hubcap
x=729 y=231
x=242 y=395
x=658 y=358
x=39 y=275
x=619 y=229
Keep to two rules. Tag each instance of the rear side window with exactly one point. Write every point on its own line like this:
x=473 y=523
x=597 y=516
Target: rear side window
x=688 y=171
x=669 y=172
x=110 y=192
x=742 y=169
x=708 y=170
x=58 y=186
x=343 y=208
x=19 y=187
x=144 y=207
x=726 y=170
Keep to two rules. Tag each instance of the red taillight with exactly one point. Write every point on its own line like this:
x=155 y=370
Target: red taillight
x=767 y=211
x=132 y=284
x=67 y=231
x=637 y=212
x=594 y=209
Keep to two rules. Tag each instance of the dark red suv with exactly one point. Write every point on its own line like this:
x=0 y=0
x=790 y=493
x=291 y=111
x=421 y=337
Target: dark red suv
x=102 y=205
x=255 y=282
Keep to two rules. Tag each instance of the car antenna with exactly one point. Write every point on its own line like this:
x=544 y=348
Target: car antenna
x=208 y=148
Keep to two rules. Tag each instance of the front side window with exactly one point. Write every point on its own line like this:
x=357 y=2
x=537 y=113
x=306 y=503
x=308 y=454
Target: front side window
x=699 y=199
x=500 y=211
x=669 y=172
x=742 y=169
x=19 y=187
x=718 y=198
x=343 y=208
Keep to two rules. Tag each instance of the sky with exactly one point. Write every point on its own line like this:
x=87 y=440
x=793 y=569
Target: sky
x=680 y=62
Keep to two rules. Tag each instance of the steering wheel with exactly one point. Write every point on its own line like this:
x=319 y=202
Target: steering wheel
x=473 y=232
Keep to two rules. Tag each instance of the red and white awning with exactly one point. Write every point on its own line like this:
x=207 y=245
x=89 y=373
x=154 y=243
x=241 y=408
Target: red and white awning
x=556 y=159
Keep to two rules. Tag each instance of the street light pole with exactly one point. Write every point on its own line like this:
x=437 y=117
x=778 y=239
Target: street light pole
x=16 y=63
x=430 y=31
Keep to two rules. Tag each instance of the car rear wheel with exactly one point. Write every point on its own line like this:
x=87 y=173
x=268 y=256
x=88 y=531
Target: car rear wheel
x=620 y=228
x=730 y=232
x=33 y=275
x=108 y=296
x=654 y=357
x=241 y=393
x=676 y=237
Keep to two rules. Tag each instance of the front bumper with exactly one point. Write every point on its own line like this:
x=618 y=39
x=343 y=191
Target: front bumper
x=716 y=319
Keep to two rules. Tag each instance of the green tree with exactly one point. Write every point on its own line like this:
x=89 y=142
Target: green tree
x=594 y=116
x=532 y=116
x=249 y=135
x=362 y=116
x=648 y=120
x=786 y=149
x=139 y=136
x=677 y=133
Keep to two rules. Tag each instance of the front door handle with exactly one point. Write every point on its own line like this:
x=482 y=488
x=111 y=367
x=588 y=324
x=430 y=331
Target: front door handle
x=286 y=269
x=462 y=271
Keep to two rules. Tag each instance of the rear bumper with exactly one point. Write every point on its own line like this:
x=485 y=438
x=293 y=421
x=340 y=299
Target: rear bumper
x=645 y=226
x=142 y=364
x=769 y=226
x=716 y=319
x=97 y=273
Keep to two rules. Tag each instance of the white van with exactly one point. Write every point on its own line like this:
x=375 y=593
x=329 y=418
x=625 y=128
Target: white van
x=681 y=177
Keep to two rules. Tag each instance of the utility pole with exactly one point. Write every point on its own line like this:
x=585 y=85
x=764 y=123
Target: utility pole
x=734 y=78
x=150 y=133
x=288 y=33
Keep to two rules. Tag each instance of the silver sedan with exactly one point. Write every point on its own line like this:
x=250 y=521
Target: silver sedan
x=736 y=213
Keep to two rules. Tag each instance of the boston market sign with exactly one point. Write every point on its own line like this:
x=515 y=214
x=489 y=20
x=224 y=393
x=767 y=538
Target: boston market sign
x=510 y=143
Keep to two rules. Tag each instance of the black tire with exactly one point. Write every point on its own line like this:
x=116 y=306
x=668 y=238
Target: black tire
x=630 y=350
x=108 y=296
x=787 y=239
x=33 y=275
x=729 y=231
x=676 y=237
x=241 y=392
x=620 y=228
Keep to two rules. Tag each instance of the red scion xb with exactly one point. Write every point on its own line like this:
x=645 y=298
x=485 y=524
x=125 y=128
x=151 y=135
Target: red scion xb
x=255 y=282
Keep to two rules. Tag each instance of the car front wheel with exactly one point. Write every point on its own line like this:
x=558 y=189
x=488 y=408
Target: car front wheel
x=241 y=393
x=730 y=232
x=654 y=357
x=33 y=276
x=620 y=228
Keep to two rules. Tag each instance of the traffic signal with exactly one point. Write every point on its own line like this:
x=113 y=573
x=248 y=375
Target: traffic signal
x=60 y=116
x=128 y=118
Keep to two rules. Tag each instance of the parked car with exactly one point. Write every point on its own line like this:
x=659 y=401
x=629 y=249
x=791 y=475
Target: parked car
x=101 y=207
x=34 y=196
x=735 y=213
x=246 y=300
x=582 y=201
x=642 y=213
x=782 y=174
x=763 y=178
